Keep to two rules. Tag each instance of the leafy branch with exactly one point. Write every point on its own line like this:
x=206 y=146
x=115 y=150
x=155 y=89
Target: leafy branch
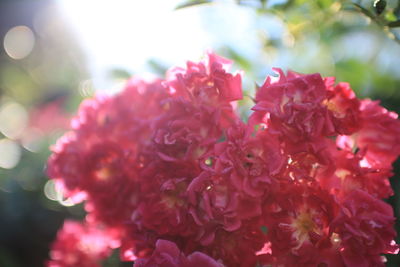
x=388 y=19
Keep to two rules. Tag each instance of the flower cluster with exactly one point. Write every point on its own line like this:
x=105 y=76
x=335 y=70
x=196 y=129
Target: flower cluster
x=173 y=172
x=82 y=245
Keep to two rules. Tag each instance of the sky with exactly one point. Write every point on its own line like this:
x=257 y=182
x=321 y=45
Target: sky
x=126 y=34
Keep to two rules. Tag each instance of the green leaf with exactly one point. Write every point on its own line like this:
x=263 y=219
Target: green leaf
x=119 y=73
x=286 y=5
x=394 y=24
x=193 y=3
x=263 y=2
x=324 y=4
x=390 y=16
x=157 y=66
x=239 y=59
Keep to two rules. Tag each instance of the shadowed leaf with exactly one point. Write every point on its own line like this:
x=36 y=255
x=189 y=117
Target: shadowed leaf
x=394 y=24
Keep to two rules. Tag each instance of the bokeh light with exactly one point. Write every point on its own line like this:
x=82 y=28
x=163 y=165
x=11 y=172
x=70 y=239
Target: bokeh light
x=10 y=153
x=32 y=140
x=19 y=42
x=53 y=192
x=13 y=119
x=50 y=191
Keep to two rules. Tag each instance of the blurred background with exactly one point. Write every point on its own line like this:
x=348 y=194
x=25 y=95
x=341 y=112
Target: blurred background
x=54 y=53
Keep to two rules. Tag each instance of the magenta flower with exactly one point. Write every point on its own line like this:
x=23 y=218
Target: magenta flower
x=176 y=178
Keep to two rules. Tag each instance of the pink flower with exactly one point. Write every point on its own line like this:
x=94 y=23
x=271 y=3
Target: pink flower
x=50 y=116
x=298 y=223
x=379 y=134
x=343 y=105
x=238 y=174
x=123 y=116
x=238 y=248
x=298 y=185
x=192 y=122
x=101 y=156
x=81 y=245
x=293 y=105
x=207 y=84
x=350 y=174
x=207 y=81
x=167 y=254
x=364 y=226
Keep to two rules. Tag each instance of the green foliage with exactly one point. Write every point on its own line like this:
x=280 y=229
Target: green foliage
x=120 y=74
x=193 y=3
x=239 y=59
x=157 y=67
x=394 y=24
x=321 y=12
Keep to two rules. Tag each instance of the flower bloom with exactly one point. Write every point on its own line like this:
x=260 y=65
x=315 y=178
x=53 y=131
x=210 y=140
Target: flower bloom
x=181 y=180
x=365 y=228
x=81 y=245
x=167 y=254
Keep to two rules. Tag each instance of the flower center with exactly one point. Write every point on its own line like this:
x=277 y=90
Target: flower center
x=303 y=225
x=103 y=174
